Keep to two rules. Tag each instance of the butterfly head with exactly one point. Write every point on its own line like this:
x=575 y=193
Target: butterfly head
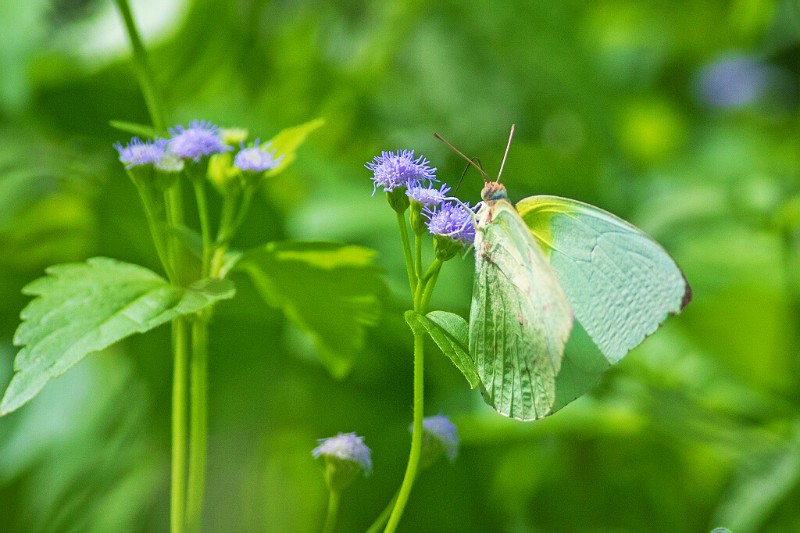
x=494 y=191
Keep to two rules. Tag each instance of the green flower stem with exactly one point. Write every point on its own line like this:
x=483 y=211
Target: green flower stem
x=379 y=522
x=432 y=270
x=224 y=234
x=333 y=512
x=416 y=435
x=427 y=283
x=174 y=267
x=179 y=426
x=198 y=428
x=244 y=207
x=422 y=296
x=145 y=195
x=205 y=228
x=418 y=254
x=412 y=278
x=146 y=79
x=428 y=292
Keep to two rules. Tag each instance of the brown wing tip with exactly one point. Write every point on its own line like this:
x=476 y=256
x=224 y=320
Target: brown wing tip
x=687 y=294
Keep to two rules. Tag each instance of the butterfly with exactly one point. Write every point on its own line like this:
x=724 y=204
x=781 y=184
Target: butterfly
x=549 y=268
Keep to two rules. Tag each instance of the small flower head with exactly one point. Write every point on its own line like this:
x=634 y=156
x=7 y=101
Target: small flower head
x=452 y=228
x=199 y=139
x=439 y=437
x=256 y=159
x=139 y=153
x=392 y=170
x=345 y=457
x=453 y=220
x=427 y=195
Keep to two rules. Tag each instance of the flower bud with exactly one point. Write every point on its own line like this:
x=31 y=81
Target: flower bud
x=439 y=437
x=346 y=456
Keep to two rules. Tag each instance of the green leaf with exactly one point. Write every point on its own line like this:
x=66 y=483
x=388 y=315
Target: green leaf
x=450 y=333
x=331 y=291
x=287 y=141
x=142 y=130
x=85 y=307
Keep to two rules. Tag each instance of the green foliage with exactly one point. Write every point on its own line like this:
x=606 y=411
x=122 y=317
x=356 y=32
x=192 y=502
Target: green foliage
x=140 y=130
x=82 y=308
x=287 y=141
x=450 y=333
x=331 y=291
x=609 y=107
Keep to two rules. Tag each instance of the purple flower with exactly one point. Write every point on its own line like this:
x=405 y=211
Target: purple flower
x=257 y=159
x=734 y=81
x=200 y=139
x=453 y=220
x=397 y=169
x=427 y=195
x=439 y=436
x=347 y=447
x=138 y=153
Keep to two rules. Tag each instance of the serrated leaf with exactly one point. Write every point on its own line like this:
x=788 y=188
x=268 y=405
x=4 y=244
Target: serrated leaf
x=450 y=333
x=142 y=130
x=287 y=141
x=85 y=307
x=331 y=291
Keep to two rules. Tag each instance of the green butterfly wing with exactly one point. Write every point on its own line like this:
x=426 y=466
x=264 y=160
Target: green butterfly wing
x=620 y=283
x=519 y=320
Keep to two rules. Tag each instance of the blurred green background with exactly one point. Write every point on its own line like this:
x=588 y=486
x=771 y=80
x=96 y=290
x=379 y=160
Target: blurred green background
x=681 y=117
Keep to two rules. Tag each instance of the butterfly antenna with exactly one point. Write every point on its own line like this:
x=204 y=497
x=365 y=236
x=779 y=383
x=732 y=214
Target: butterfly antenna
x=505 y=155
x=473 y=162
x=469 y=160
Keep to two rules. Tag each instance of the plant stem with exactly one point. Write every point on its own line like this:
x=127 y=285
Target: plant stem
x=205 y=228
x=198 y=424
x=173 y=265
x=384 y=516
x=155 y=232
x=429 y=285
x=244 y=207
x=416 y=435
x=333 y=512
x=223 y=233
x=179 y=417
x=418 y=255
x=412 y=278
x=146 y=79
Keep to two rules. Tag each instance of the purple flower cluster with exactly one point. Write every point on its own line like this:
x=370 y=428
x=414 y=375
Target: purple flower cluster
x=256 y=159
x=453 y=220
x=427 y=195
x=138 y=153
x=192 y=143
x=201 y=138
x=197 y=140
x=447 y=218
x=392 y=170
x=346 y=447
